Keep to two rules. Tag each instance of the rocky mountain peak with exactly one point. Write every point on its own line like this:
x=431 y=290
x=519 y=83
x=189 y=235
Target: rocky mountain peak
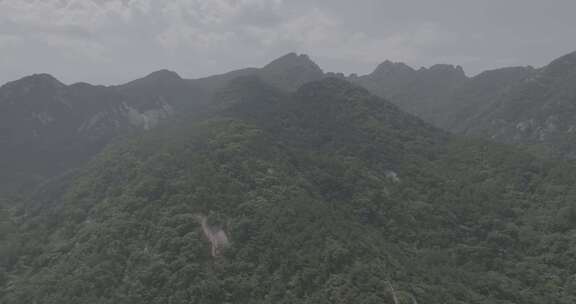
x=389 y=68
x=562 y=66
x=35 y=81
x=161 y=76
x=331 y=88
x=33 y=89
x=446 y=70
x=291 y=61
x=291 y=71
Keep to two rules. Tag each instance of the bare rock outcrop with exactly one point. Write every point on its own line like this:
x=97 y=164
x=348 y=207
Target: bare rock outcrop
x=215 y=235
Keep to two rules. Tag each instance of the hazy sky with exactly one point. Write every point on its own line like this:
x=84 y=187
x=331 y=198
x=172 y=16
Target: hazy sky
x=110 y=41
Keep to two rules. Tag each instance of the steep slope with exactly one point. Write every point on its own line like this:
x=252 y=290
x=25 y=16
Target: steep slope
x=477 y=94
x=217 y=82
x=426 y=92
x=328 y=195
x=539 y=110
x=288 y=72
x=164 y=92
x=47 y=128
x=291 y=71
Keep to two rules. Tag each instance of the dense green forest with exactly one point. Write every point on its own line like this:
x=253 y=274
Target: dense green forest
x=328 y=195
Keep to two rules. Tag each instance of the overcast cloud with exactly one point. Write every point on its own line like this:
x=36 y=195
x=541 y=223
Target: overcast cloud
x=111 y=41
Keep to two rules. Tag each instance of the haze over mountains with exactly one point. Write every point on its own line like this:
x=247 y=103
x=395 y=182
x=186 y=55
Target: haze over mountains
x=52 y=127
x=48 y=127
x=329 y=188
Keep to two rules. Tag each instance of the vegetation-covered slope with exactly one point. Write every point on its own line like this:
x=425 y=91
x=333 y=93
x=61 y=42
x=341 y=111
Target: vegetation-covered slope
x=328 y=195
x=48 y=128
x=516 y=105
x=539 y=110
x=425 y=92
x=478 y=94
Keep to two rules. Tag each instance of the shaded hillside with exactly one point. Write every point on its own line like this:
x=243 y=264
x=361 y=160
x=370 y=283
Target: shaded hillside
x=426 y=92
x=48 y=128
x=478 y=94
x=288 y=72
x=165 y=90
x=328 y=195
x=539 y=110
x=516 y=105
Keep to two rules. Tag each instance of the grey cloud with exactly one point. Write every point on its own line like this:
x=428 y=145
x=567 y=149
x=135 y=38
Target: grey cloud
x=72 y=31
x=107 y=41
x=259 y=18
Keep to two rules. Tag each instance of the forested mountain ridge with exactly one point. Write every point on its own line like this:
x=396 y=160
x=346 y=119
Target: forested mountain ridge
x=476 y=95
x=515 y=105
x=539 y=111
x=69 y=124
x=425 y=92
x=48 y=128
x=328 y=194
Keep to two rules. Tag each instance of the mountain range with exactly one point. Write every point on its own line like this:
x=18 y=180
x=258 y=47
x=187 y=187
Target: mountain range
x=47 y=127
x=327 y=194
x=287 y=184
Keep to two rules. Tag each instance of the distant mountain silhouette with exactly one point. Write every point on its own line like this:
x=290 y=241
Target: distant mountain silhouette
x=425 y=92
x=47 y=127
x=536 y=108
